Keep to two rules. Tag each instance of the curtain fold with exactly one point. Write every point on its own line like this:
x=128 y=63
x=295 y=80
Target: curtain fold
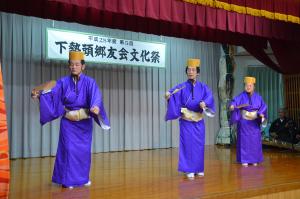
x=258 y=52
x=282 y=10
x=287 y=55
x=133 y=96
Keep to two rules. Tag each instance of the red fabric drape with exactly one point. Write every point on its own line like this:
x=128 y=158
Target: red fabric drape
x=143 y=15
x=259 y=53
x=287 y=55
x=283 y=9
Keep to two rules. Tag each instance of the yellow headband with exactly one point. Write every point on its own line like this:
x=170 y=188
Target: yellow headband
x=193 y=63
x=76 y=55
x=249 y=80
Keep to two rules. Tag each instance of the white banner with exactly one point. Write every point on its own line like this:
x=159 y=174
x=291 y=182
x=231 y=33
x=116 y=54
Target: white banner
x=98 y=48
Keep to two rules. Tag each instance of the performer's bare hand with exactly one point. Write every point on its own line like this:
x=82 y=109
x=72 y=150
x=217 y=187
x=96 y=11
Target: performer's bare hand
x=167 y=95
x=202 y=105
x=231 y=108
x=35 y=94
x=95 y=110
x=261 y=115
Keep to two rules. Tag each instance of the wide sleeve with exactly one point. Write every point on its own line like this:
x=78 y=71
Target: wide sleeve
x=51 y=106
x=235 y=115
x=263 y=109
x=208 y=99
x=174 y=106
x=96 y=100
x=233 y=102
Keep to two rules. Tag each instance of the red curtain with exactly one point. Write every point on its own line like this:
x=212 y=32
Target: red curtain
x=168 y=17
x=258 y=52
x=287 y=55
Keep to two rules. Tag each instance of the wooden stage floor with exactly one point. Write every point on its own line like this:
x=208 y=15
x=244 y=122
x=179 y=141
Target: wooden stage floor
x=153 y=174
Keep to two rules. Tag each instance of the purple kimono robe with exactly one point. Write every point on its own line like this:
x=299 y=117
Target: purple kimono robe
x=192 y=134
x=248 y=146
x=73 y=157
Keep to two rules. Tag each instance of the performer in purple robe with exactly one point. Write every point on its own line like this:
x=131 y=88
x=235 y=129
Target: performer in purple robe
x=249 y=111
x=188 y=101
x=77 y=99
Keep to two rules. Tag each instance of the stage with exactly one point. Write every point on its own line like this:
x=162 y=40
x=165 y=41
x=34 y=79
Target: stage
x=153 y=174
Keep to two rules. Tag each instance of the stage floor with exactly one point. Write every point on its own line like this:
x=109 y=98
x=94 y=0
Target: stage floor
x=153 y=174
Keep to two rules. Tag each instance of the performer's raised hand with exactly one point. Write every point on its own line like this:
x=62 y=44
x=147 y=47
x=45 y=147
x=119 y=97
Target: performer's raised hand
x=231 y=108
x=202 y=105
x=95 y=110
x=35 y=94
x=167 y=95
